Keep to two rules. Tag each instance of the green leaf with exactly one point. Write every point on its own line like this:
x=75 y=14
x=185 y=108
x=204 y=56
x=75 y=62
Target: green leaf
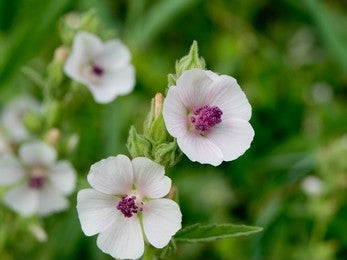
x=155 y=20
x=204 y=233
x=327 y=24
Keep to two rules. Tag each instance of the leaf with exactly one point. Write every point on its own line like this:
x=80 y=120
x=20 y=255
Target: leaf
x=159 y=16
x=204 y=233
x=327 y=24
x=34 y=76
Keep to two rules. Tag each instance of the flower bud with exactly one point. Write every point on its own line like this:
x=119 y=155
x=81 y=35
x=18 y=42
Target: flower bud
x=52 y=112
x=188 y=62
x=154 y=126
x=138 y=145
x=74 y=22
x=167 y=154
x=72 y=143
x=38 y=232
x=32 y=122
x=55 y=71
x=61 y=53
x=53 y=136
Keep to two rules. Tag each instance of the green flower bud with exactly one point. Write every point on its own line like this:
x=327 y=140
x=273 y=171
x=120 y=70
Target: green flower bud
x=52 y=112
x=188 y=62
x=167 y=154
x=154 y=126
x=137 y=144
x=171 y=80
x=33 y=122
x=72 y=23
x=55 y=71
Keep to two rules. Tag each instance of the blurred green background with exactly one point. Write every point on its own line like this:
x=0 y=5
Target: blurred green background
x=289 y=56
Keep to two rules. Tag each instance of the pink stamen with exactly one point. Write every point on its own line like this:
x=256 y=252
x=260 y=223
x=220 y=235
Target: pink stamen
x=36 y=182
x=206 y=117
x=97 y=70
x=128 y=206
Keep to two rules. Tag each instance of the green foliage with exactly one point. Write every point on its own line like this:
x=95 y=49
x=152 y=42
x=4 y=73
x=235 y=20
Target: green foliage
x=188 y=62
x=155 y=142
x=205 y=233
x=290 y=59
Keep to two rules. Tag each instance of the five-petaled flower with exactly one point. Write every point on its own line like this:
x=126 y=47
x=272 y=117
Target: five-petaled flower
x=13 y=115
x=103 y=67
x=208 y=114
x=128 y=198
x=42 y=183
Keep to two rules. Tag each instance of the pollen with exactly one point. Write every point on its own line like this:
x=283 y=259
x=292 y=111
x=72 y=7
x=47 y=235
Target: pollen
x=206 y=117
x=129 y=206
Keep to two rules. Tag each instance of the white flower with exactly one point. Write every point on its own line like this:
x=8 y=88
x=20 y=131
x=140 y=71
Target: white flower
x=4 y=145
x=13 y=114
x=127 y=196
x=42 y=183
x=103 y=67
x=208 y=114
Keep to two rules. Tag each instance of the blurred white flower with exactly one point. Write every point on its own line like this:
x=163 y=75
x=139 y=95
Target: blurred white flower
x=4 y=145
x=13 y=114
x=208 y=114
x=312 y=185
x=127 y=196
x=42 y=183
x=103 y=67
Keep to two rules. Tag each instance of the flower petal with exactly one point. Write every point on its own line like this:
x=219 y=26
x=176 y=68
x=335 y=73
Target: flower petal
x=199 y=148
x=233 y=137
x=38 y=153
x=161 y=220
x=113 y=55
x=229 y=97
x=85 y=47
x=96 y=211
x=12 y=116
x=194 y=87
x=10 y=170
x=113 y=83
x=149 y=178
x=4 y=145
x=124 y=240
x=175 y=113
x=50 y=201
x=23 y=200
x=63 y=177
x=113 y=175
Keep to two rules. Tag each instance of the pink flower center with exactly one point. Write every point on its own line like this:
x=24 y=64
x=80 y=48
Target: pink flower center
x=36 y=182
x=206 y=117
x=97 y=70
x=129 y=206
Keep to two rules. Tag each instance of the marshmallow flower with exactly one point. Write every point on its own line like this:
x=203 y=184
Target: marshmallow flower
x=208 y=114
x=4 y=146
x=13 y=114
x=103 y=67
x=126 y=199
x=42 y=183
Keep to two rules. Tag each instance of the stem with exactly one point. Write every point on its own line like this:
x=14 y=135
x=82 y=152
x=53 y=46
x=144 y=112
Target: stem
x=149 y=253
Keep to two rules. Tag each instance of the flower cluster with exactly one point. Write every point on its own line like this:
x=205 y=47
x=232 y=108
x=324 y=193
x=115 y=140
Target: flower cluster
x=208 y=114
x=41 y=183
x=204 y=115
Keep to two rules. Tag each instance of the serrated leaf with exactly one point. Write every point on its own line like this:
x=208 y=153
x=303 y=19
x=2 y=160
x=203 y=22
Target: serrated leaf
x=204 y=233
